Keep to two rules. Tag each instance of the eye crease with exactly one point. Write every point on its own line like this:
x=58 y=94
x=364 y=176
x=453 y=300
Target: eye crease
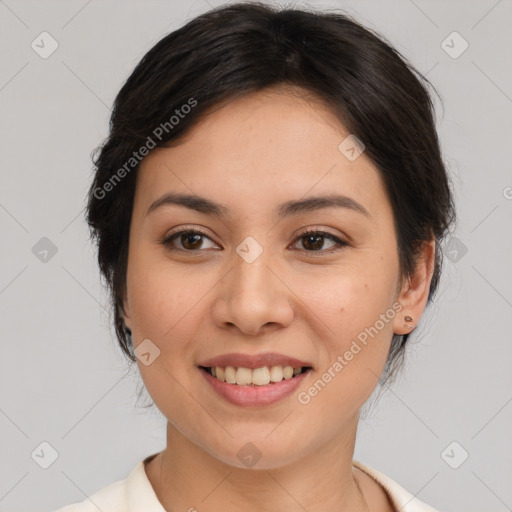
x=313 y=237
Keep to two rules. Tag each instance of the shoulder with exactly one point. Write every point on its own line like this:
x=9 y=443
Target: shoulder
x=111 y=498
x=132 y=494
x=399 y=497
x=116 y=497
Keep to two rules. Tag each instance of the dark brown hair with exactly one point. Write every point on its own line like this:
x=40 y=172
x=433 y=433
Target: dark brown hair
x=242 y=48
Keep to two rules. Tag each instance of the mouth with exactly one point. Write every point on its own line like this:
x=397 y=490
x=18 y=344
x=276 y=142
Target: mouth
x=262 y=376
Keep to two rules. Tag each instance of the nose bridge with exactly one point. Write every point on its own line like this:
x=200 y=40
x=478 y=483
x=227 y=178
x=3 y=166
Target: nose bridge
x=252 y=278
x=253 y=296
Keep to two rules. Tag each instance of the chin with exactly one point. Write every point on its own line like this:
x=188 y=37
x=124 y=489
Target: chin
x=257 y=452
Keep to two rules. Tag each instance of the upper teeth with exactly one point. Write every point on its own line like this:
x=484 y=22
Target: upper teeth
x=258 y=376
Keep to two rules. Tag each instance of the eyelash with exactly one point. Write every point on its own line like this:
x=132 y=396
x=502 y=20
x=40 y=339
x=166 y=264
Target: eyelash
x=167 y=241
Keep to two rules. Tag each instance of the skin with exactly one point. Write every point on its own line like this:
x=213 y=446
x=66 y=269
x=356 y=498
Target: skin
x=251 y=155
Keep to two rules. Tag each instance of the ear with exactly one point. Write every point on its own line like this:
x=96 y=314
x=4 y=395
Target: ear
x=414 y=292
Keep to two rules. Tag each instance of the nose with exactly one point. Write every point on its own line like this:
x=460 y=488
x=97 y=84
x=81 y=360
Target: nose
x=253 y=297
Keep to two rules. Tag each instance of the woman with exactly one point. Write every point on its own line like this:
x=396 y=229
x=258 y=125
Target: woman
x=268 y=209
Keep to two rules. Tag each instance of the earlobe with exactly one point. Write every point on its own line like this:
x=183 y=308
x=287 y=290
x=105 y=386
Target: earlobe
x=415 y=291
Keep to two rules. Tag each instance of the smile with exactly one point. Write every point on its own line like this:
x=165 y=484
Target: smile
x=263 y=376
x=254 y=387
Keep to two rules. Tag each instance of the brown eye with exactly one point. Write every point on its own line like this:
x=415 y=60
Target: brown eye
x=190 y=240
x=313 y=241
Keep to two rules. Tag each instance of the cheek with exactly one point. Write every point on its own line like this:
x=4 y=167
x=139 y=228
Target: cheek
x=357 y=306
x=353 y=354
x=354 y=297
x=161 y=296
x=164 y=303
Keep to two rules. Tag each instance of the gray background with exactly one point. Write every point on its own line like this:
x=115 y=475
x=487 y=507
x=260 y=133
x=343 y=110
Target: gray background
x=62 y=379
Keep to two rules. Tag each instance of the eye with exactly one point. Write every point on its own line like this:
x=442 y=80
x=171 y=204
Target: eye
x=313 y=240
x=189 y=239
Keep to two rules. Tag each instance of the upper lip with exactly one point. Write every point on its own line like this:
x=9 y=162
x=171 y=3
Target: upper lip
x=254 y=361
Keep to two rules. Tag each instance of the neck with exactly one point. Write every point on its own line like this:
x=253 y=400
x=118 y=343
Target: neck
x=186 y=477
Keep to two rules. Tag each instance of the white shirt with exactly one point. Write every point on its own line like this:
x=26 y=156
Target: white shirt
x=135 y=494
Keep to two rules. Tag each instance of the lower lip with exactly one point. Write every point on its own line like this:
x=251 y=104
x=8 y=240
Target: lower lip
x=247 y=396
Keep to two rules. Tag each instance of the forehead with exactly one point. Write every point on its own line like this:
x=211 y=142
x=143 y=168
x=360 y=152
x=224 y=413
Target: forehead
x=260 y=149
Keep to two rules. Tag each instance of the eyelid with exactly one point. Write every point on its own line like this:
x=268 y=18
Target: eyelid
x=186 y=227
x=166 y=240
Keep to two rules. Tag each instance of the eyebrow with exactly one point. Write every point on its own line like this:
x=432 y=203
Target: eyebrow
x=293 y=207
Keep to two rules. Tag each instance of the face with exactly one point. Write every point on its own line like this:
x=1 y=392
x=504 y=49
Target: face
x=247 y=280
